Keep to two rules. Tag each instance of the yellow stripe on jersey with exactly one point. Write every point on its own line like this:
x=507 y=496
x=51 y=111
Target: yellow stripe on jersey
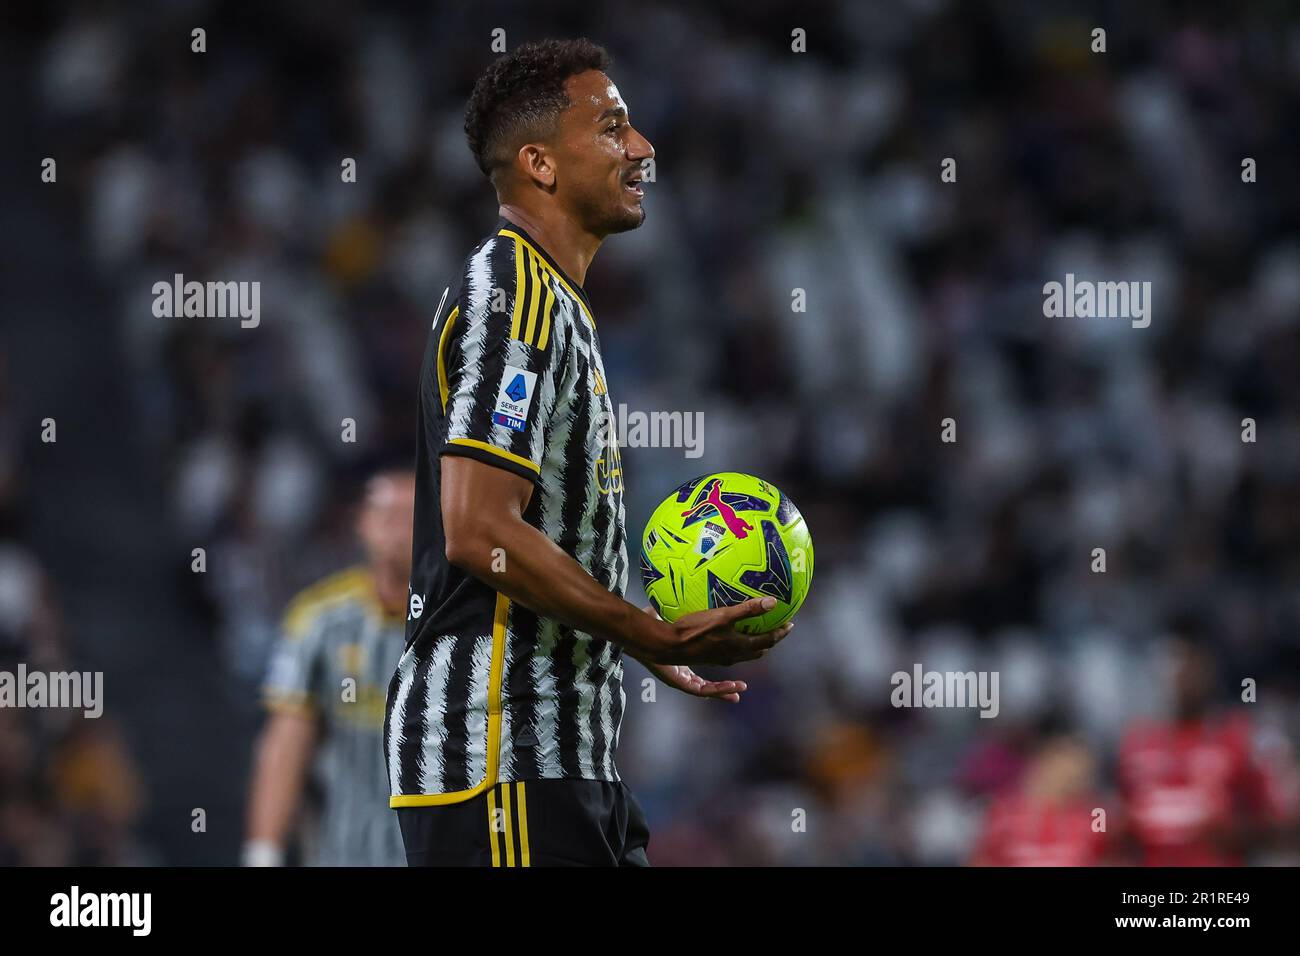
x=520 y=288
x=534 y=296
x=353 y=584
x=295 y=704
x=443 y=339
x=510 y=234
x=499 y=452
x=548 y=306
x=495 y=671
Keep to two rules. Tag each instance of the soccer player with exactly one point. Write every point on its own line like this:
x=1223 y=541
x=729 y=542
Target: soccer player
x=1047 y=818
x=1199 y=790
x=342 y=639
x=504 y=712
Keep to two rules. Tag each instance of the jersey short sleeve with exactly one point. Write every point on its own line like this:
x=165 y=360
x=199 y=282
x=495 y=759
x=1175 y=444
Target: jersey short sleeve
x=498 y=358
x=293 y=681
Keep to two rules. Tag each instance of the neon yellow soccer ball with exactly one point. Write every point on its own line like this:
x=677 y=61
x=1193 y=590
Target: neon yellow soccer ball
x=722 y=539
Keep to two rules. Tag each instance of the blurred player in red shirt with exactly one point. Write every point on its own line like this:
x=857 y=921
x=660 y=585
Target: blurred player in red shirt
x=1047 y=818
x=1196 y=789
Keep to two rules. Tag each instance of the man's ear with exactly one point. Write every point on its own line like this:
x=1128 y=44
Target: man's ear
x=537 y=164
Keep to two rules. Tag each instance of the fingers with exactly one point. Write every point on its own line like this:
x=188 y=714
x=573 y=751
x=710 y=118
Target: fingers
x=760 y=644
x=723 y=618
x=742 y=648
x=751 y=608
x=728 y=690
x=714 y=688
x=770 y=639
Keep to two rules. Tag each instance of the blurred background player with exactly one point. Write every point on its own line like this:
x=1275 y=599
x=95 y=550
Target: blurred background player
x=1047 y=817
x=342 y=640
x=1205 y=787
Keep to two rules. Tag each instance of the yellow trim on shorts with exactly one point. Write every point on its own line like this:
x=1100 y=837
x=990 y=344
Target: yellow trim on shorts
x=510 y=830
x=523 y=824
x=492 y=826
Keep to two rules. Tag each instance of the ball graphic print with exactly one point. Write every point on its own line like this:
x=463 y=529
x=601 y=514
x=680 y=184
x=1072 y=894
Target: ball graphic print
x=722 y=539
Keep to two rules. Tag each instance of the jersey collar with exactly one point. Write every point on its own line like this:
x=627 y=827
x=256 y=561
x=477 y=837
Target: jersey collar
x=504 y=223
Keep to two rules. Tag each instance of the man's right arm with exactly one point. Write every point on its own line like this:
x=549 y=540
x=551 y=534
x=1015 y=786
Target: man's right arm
x=482 y=516
x=284 y=753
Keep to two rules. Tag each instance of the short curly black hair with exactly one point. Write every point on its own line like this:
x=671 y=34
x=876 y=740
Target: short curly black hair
x=521 y=95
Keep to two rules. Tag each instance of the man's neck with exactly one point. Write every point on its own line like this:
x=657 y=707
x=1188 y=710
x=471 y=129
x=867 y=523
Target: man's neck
x=391 y=594
x=568 y=244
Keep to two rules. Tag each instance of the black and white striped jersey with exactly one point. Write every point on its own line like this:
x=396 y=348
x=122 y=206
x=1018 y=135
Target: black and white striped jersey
x=486 y=691
x=333 y=664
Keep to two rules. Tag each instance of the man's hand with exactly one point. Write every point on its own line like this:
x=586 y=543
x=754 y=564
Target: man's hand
x=688 y=682
x=710 y=637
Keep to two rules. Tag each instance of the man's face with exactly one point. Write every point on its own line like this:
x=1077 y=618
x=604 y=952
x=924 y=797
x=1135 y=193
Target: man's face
x=599 y=157
x=1193 y=678
x=384 y=524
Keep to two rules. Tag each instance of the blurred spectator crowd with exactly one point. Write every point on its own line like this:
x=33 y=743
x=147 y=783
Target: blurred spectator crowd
x=776 y=171
x=69 y=790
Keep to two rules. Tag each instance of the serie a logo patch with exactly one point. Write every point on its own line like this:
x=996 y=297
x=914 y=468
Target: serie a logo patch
x=514 y=397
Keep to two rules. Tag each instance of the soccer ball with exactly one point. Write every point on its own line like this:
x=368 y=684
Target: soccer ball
x=722 y=539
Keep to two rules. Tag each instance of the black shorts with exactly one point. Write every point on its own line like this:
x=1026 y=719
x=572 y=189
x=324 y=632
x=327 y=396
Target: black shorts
x=530 y=823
